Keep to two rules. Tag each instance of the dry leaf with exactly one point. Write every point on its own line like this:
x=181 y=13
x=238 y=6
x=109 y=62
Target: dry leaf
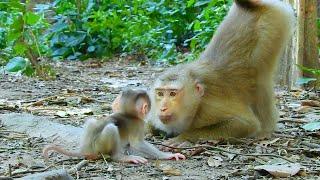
x=281 y=170
x=304 y=109
x=267 y=143
x=167 y=169
x=62 y=114
x=312 y=103
x=215 y=161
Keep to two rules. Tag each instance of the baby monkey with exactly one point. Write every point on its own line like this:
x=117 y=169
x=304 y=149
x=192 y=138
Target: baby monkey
x=123 y=129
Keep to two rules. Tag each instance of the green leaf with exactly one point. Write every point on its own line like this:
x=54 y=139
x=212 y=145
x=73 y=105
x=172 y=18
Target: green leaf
x=304 y=80
x=17 y=5
x=61 y=52
x=31 y=18
x=17 y=24
x=59 y=26
x=309 y=70
x=29 y=70
x=312 y=126
x=201 y=3
x=75 y=40
x=91 y=49
x=13 y=36
x=20 y=48
x=16 y=64
x=190 y=3
x=197 y=25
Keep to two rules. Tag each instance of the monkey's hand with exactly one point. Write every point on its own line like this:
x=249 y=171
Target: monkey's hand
x=175 y=156
x=175 y=142
x=133 y=159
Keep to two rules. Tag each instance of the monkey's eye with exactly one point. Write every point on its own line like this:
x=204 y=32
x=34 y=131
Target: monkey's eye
x=173 y=93
x=160 y=94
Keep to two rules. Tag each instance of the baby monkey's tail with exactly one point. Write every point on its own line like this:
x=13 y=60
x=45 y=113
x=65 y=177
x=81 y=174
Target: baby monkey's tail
x=60 y=150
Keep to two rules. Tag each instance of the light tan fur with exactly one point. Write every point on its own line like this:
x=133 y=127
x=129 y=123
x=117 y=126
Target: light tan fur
x=123 y=130
x=236 y=72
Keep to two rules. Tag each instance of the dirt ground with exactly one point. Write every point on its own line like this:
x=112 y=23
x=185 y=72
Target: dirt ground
x=87 y=89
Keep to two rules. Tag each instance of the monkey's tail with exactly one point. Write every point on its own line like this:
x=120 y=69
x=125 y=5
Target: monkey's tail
x=60 y=150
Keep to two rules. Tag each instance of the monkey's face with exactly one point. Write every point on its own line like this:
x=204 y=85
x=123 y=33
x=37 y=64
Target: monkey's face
x=176 y=100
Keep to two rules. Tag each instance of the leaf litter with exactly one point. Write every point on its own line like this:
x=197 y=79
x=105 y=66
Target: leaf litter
x=87 y=89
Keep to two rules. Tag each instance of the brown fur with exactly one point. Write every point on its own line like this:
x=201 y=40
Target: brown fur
x=236 y=72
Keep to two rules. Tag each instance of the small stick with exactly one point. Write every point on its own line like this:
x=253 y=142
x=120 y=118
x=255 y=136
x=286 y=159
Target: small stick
x=230 y=152
x=77 y=167
x=310 y=145
x=30 y=171
x=104 y=159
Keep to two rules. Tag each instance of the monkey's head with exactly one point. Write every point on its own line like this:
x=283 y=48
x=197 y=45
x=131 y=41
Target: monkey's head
x=133 y=102
x=176 y=96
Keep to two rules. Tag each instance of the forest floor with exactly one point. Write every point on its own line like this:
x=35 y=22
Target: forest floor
x=87 y=89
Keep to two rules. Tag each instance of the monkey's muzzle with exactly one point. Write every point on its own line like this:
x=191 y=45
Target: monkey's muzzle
x=165 y=118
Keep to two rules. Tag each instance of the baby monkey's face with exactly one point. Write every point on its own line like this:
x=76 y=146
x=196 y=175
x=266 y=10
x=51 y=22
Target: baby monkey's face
x=132 y=102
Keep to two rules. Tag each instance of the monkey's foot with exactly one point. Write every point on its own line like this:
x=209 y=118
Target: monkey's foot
x=92 y=157
x=133 y=159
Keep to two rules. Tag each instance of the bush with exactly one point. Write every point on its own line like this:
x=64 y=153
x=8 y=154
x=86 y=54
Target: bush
x=159 y=29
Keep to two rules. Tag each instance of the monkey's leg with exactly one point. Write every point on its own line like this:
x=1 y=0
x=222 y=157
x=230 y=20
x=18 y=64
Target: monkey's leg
x=265 y=109
x=109 y=142
x=236 y=127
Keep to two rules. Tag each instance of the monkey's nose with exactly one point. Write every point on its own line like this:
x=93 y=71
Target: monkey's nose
x=163 y=109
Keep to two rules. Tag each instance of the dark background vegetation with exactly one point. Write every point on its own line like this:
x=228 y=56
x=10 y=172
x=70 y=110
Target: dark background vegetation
x=162 y=31
x=170 y=31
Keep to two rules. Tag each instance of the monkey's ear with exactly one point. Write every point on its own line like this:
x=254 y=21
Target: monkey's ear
x=142 y=107
x=145 y=108
x=199 y=89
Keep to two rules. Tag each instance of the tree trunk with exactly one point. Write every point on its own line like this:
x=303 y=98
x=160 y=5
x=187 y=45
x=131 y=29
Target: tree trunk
x=310 y=55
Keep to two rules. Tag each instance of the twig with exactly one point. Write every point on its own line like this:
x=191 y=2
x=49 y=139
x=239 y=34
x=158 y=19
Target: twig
x=230 y=152
x=104 y=159
x=284 y=135
x=10 y=170
x=31 y=171
x=40 y=101
x=78 y=166
x=310 y=145
x=301 y=121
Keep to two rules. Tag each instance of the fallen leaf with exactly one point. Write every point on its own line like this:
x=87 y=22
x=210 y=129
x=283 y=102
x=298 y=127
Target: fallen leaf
x=215 y=161
x=312 y=103
x=62 y=114
x=197 y=151
x=267 y=143
x=312 y=126
x=304 y=109
x=281 y=170
x=167 y=169
x=85 y=100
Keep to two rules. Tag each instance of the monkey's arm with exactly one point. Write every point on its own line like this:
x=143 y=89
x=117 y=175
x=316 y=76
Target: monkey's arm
x=226 y=130
x=150 y=150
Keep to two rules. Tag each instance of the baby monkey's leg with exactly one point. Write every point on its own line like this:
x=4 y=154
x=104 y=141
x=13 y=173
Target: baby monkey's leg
x=109 y=142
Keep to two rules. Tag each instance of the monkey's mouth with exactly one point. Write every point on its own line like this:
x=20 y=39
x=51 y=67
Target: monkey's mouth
x=165 y=118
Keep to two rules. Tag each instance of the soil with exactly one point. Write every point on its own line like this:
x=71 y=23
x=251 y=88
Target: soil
x=86 y=89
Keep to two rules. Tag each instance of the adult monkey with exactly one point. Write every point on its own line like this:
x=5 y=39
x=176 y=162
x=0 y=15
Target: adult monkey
x=228 y=92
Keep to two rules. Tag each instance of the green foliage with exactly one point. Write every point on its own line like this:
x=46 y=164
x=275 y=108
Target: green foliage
x=305 y=80
x=159 y=29
x=19 y=64
x=312 y=126
x=20 y=31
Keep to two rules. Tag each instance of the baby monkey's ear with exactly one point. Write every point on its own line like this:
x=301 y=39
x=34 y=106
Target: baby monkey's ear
x=116 y=104
x=142 y=106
